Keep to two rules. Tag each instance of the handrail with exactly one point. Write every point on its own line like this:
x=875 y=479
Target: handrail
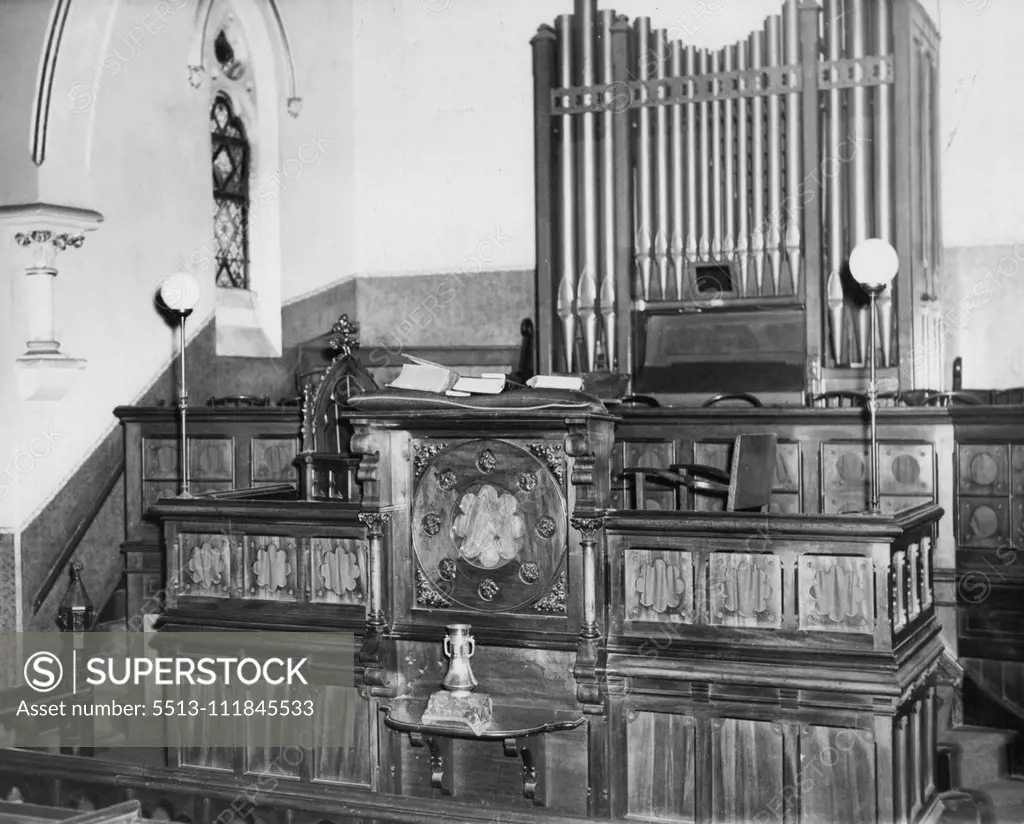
x=57 y=570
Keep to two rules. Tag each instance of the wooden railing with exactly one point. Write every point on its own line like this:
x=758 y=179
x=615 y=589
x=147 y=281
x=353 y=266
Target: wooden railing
x=81 y=528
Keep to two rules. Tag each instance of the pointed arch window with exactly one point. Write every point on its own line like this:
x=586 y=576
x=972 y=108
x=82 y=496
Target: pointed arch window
x=231 y=157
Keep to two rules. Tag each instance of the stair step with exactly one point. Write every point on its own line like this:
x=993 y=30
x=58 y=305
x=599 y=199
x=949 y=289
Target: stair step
x=998 y=802
x=977 y=755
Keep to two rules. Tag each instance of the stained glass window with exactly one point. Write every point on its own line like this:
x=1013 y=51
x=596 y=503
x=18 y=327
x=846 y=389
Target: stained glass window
x=230 y=195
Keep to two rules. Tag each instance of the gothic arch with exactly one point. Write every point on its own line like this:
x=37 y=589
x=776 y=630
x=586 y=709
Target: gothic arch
x=253 y=87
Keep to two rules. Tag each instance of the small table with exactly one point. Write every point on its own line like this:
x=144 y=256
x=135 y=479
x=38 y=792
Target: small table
x=510 y=725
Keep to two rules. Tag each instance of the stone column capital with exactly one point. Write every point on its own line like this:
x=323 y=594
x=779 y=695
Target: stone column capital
x=42 y=230
x=41 y=246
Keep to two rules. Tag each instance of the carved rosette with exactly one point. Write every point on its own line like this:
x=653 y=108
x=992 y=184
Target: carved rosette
x=551 y=453
x=447 y=480
x=431 y=523
x=486 y=462
x=553 y=603
x=447 y=569
x=488 y=589
x=425 y=453
x=546 y=526
x=527 y=481
x=529 y=573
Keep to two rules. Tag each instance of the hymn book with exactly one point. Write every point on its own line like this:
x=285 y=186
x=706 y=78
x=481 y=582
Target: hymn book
x=426 y=376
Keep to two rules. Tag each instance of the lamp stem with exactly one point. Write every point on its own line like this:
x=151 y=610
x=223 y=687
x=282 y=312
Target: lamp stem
x=873 y=405
x=186 y=492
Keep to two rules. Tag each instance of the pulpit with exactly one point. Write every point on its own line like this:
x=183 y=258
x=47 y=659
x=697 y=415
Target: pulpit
x=486 y=505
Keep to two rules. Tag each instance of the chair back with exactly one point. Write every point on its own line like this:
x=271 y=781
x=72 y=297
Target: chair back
x=752 y=473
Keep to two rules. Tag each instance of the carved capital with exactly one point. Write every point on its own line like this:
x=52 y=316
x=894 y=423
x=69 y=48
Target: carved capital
x=374 y=522
x=587 y=525
x=41 y=246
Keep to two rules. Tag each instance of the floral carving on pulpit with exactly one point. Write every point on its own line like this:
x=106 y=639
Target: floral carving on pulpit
x=838 y=592
x=661 y=586
x=486 y=461
x=206 y=565
x=340 y=571
x=431 y=524
x=746 y=590
x=271 y=568
x=491 y=527
x=446 y=480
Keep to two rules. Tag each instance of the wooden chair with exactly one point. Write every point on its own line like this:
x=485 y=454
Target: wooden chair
x=746 y=487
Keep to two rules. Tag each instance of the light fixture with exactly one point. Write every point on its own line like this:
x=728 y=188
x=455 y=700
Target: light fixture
x=180 y=294
x=873 y=264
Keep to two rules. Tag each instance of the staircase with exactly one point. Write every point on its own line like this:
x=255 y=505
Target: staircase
x=975 y=773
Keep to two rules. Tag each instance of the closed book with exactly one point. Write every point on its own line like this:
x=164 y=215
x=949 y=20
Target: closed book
x=425 y=378
x=571 y=382
x=481 y=386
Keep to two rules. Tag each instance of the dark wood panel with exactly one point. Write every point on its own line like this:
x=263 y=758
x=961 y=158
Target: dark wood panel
x=746 y=768
x=662 y=770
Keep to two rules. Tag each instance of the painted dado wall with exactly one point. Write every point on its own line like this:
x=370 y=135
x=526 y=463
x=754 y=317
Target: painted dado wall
x=413 y=154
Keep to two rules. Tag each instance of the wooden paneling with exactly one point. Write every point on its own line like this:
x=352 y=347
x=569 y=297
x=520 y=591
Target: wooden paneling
x=206 y=564
x=343 y=707
x=837 y=594
x=837 y=774
x=662 y=769
x=983 y=522
x=745 y=590
x=983 y=469
x=746 y=768
x=338 y=571
x=271 y=568
x=659 y=586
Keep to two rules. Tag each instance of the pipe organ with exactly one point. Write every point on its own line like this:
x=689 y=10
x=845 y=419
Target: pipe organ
x=696 y=207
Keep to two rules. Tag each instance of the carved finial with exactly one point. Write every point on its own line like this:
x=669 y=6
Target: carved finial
x=307 y=414
x=344 y=336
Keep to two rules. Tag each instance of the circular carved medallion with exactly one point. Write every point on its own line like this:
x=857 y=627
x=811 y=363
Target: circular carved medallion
x=529 y=573
x=490 y=541
x=431 y=523
x=488 y=589
x=447 y=569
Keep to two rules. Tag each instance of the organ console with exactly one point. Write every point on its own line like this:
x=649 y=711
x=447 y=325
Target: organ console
x=697 y=207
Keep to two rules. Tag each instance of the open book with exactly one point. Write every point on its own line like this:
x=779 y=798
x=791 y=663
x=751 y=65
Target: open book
x=426 y=376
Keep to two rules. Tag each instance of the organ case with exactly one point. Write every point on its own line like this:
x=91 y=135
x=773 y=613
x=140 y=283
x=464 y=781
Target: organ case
x=698 y=206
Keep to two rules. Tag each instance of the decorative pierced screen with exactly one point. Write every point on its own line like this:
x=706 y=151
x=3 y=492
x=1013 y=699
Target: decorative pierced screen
x=230 y=160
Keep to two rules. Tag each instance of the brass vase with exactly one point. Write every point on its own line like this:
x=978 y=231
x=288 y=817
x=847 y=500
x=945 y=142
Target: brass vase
x=459 y=646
